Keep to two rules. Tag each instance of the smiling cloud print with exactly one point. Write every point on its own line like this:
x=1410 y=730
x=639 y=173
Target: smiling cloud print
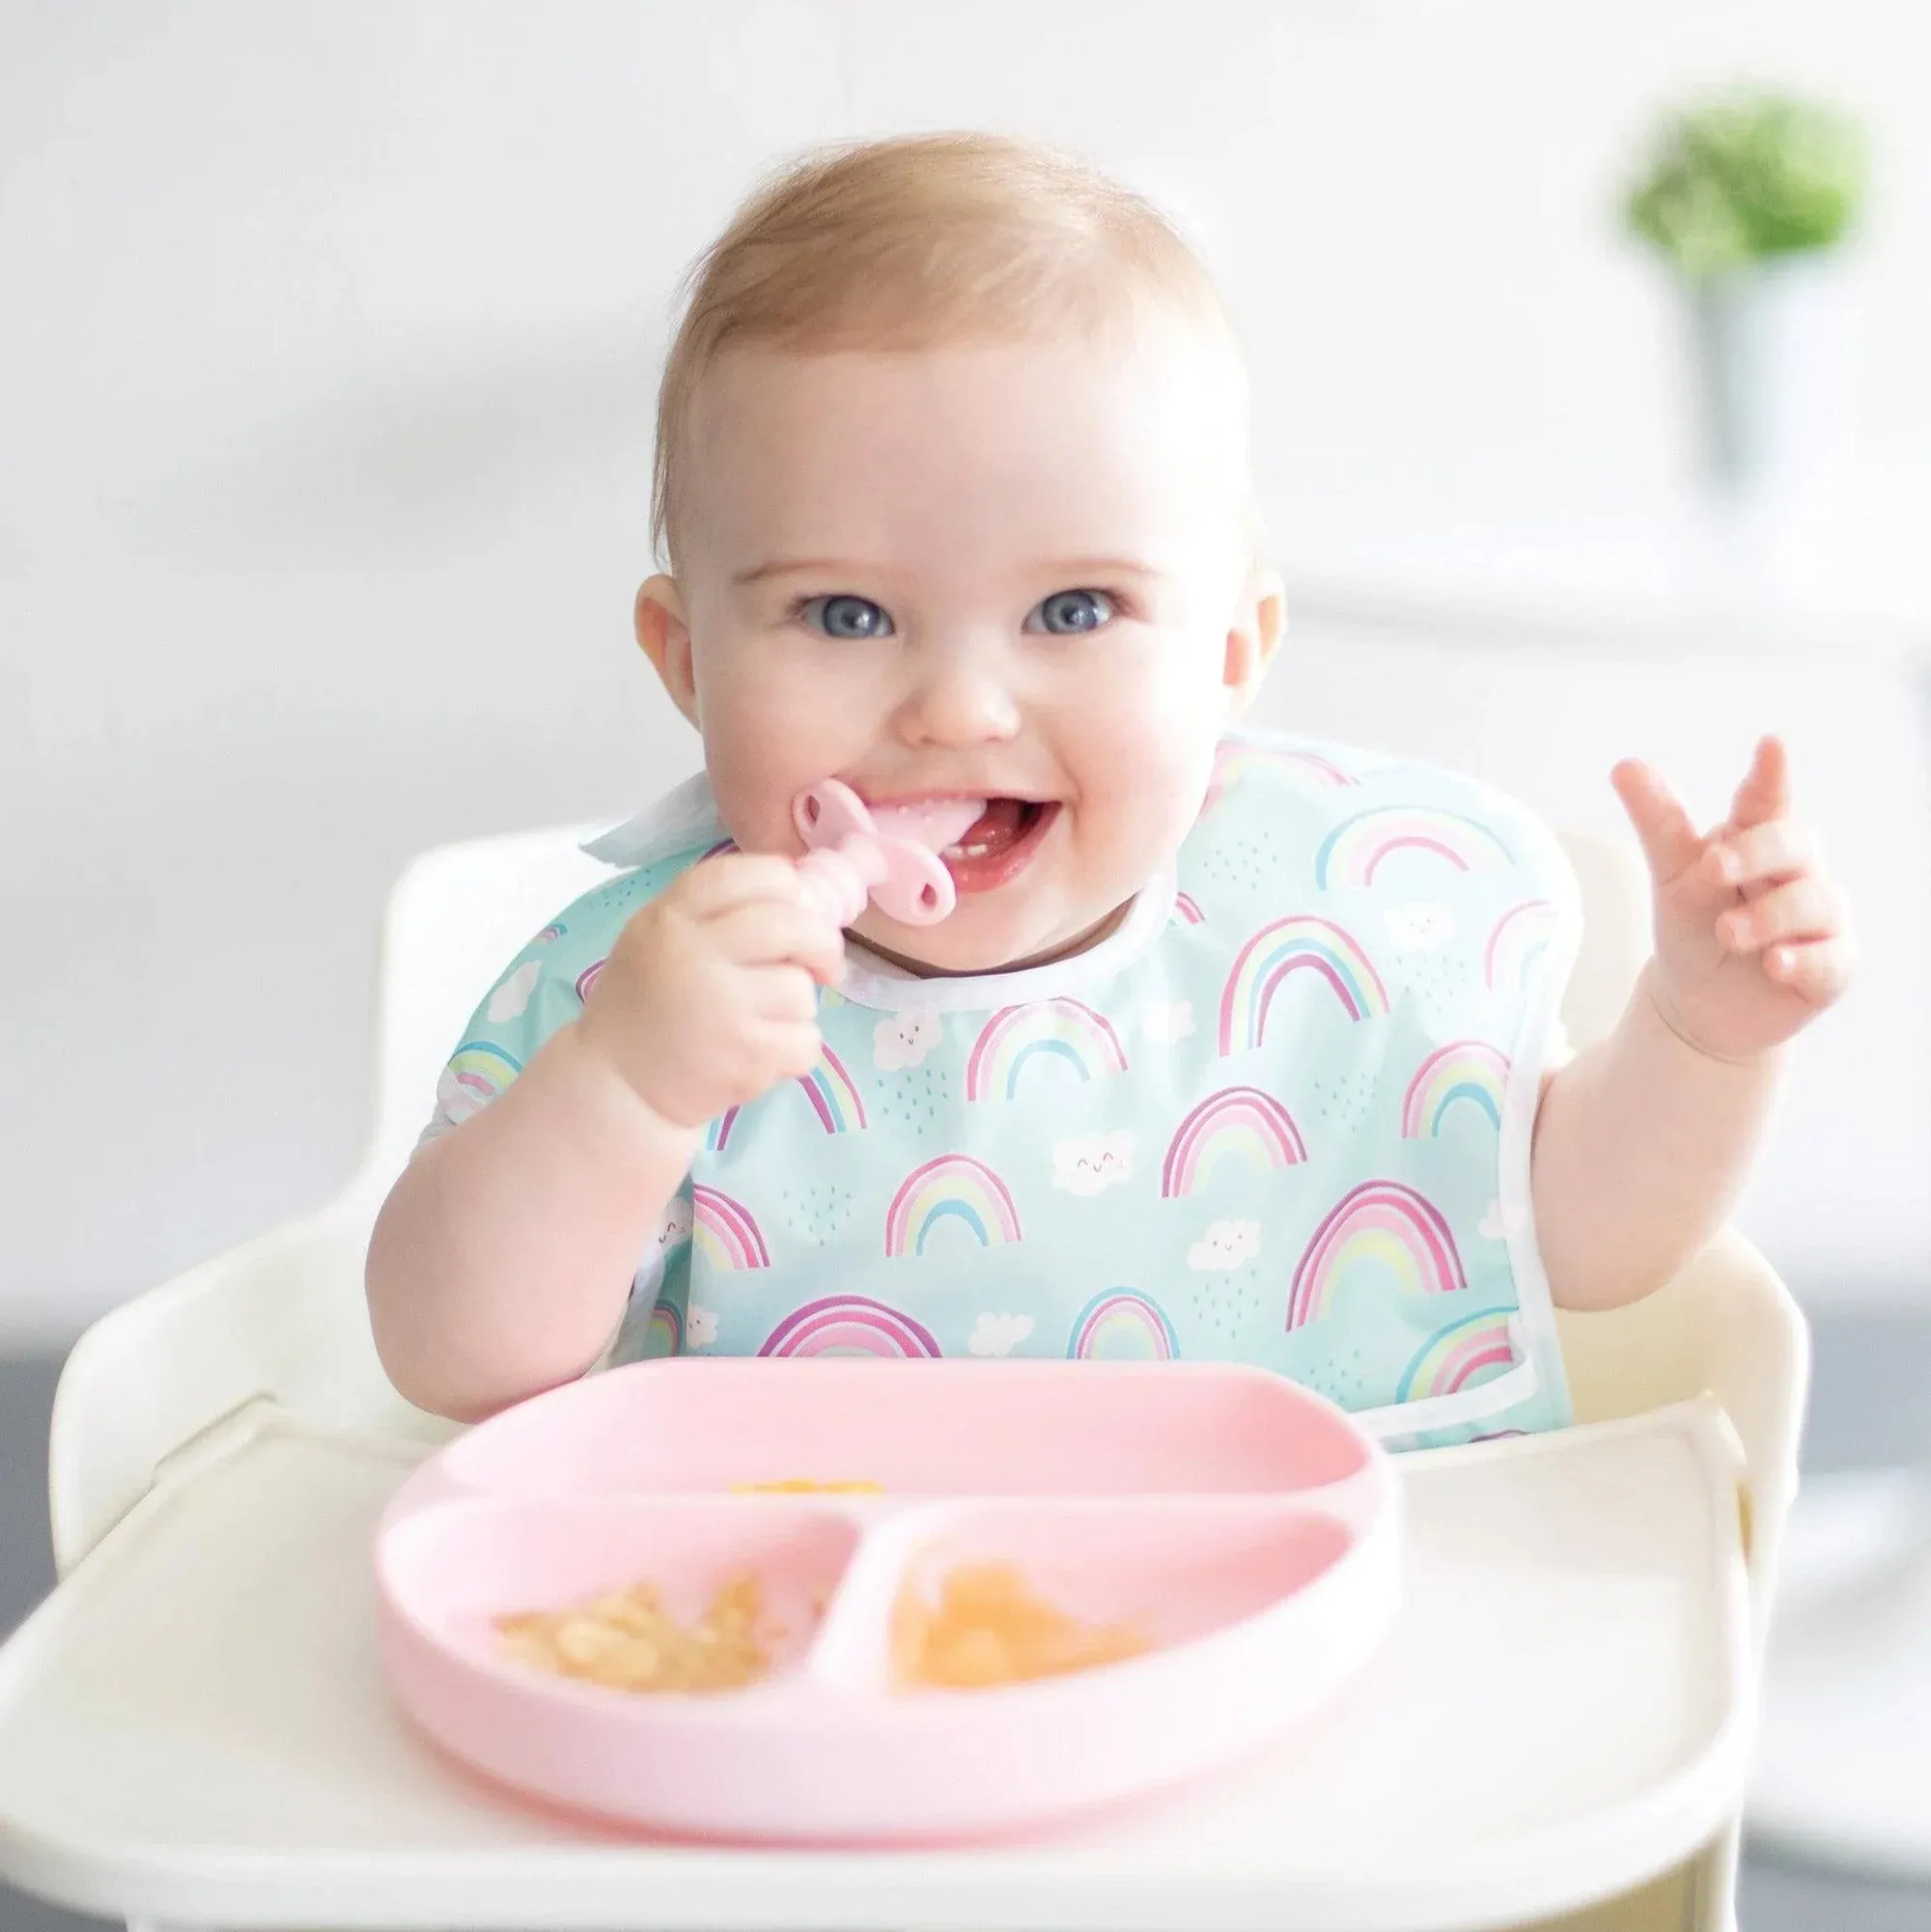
x=1224 y=1247
x=673 y=1227
x=675 y=1224
x=1090 y=1167
x=510 y=998
x=901 y=1040
x=700 y=1326
x=999 y=1334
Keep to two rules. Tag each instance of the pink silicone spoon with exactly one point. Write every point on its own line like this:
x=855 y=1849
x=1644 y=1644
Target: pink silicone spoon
x=890 y=856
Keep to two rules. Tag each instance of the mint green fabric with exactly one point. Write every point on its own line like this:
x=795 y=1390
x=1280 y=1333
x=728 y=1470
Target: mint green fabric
x=1281 y=1117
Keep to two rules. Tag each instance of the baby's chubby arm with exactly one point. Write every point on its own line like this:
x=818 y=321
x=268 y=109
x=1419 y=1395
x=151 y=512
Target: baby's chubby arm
x=1643 y=1141
x=503 y=1256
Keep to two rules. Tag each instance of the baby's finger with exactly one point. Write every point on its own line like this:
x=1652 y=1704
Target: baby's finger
x=1817 y=970
x=773 y=932
x=1769 y=853
x=785 y=994
x=1670 y=841
x=738 y=879
x=1765 y=792
x=791 y=1049
x=1804 y=909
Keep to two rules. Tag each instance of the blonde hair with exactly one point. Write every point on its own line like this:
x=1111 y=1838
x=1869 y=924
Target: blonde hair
x=912 y=242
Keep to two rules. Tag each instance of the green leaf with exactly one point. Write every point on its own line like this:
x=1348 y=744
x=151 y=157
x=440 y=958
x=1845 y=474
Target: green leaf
x=1743 y=176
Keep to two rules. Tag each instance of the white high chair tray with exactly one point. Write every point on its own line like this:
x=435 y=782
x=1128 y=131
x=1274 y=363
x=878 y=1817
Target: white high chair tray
x=194 y=1729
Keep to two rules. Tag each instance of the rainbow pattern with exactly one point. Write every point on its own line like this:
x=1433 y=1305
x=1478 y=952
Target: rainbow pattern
x=1464 y=1069
x=664 y=1336
x=953 y=1187
x=724 y=1233
x=723 y=845
x=555 y=930
x=483 y=1070
x=1235 y=758
x=1461 y=1354
x=851 y=1325
x=834 y=1097
x=1299 y=943
x=1520 y=935
x=587 y=978
x=1186 y=909
x=717 y=1135
x=1239 y=1121
x=1048 y=1030
x=1379 y=1224
x=1121 y=1324
x=1351 y=852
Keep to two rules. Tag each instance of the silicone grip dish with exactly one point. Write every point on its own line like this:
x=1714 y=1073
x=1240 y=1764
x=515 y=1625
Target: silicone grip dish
x=1242 y=1527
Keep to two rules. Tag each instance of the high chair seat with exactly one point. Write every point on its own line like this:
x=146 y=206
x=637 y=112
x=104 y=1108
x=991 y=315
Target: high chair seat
x=194 y=1728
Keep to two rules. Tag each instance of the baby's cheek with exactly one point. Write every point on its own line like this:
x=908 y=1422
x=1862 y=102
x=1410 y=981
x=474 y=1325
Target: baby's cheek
x=755 y=805
x=1153 y=813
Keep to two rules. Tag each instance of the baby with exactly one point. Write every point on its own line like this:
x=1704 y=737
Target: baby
x=1234 y=1046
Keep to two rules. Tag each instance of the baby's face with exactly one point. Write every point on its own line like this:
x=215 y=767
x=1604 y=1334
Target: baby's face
x=1019 y=572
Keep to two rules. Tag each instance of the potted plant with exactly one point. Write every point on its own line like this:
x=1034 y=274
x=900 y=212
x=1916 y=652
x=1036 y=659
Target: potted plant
x=1747 y=196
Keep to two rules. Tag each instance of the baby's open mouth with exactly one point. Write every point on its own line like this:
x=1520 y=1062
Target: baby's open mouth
x=997 y=847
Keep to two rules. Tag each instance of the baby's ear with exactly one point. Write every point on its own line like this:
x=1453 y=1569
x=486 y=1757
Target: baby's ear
x=664 y=633
x=1259 y=620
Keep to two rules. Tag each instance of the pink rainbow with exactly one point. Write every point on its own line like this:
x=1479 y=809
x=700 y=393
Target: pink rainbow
x=1466 y=1066
x=1043 y=1018
x=1478 y=1352
x=953 y=1183
x=1334 y=958
x=1146 y=1315
x=1495 y=938
x=731 y=1227
x=1376 y=1207
x=1231 y=755
x=821 y=1090
x=1232 y=1107
x=850 y=1322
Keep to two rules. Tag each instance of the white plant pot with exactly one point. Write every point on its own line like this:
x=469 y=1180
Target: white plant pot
x=1770 y=364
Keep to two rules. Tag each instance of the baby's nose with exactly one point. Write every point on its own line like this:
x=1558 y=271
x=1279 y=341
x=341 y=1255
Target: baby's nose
x=960 y=697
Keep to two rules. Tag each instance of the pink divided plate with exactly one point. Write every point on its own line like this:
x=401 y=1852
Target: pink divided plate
x=1241 y=1528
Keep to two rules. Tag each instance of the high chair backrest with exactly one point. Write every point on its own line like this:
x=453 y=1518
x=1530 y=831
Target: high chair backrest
x=457 y=915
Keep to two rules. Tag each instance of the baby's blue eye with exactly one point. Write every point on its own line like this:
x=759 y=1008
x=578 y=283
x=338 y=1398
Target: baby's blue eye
x=1071 y=613
x=847 y=616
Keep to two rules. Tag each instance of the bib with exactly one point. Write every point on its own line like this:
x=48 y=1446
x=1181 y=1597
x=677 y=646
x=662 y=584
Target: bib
x=1281 y=1116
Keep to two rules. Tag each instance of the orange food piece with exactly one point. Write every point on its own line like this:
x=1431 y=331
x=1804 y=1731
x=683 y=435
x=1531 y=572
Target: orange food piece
x=803 y=1486
x=626 y=1640
x=991 y=1628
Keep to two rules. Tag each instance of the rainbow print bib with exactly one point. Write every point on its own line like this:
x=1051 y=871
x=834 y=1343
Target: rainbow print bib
x=1282 y=1116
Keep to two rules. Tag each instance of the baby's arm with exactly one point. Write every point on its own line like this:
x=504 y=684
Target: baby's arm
x=503 y=1256
x=1643 y=1141
x=502 y=1259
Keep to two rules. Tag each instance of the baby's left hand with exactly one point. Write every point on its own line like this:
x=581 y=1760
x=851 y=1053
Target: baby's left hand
x=1752 y=937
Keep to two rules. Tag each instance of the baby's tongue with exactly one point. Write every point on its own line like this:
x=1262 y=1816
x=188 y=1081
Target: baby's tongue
x=993 y=829
x=934 y=825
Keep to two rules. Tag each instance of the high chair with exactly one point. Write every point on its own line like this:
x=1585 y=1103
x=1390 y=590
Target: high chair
x=194 y=1728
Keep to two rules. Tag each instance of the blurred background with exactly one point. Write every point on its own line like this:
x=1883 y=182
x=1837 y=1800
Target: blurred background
x=328 y=341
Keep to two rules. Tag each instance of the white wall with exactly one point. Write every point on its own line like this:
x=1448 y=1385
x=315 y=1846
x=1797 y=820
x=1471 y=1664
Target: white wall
x=328 y=337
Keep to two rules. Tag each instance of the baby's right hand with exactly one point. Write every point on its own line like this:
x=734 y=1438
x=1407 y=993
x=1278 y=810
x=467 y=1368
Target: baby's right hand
x=710 y=995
